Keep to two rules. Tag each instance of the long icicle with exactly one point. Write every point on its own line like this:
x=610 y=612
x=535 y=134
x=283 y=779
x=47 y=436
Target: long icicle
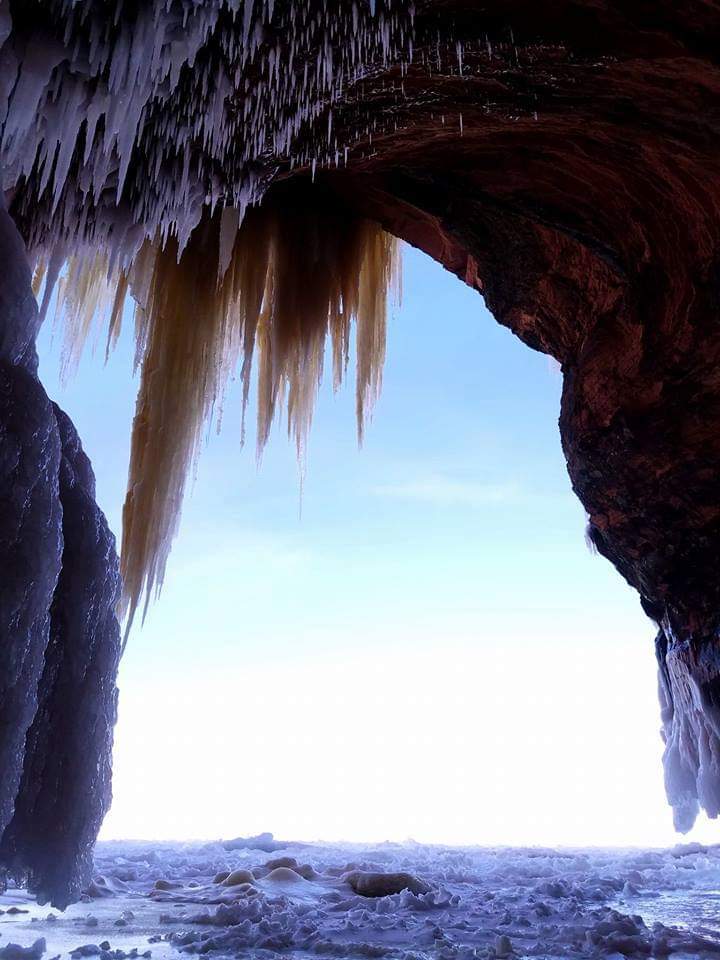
x=301 y=270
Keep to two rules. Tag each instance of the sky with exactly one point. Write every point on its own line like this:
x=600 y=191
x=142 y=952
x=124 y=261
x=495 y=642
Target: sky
x=421 y=646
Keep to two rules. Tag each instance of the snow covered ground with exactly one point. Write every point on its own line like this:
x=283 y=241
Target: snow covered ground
x=261 y=898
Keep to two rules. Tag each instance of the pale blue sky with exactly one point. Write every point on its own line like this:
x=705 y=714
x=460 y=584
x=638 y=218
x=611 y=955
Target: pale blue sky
x=431 y=628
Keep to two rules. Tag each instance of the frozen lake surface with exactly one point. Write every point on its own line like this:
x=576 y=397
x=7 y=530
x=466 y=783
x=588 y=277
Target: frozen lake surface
x=261 y=898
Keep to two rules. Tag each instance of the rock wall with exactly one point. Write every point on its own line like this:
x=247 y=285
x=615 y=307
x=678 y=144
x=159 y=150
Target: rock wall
x=31 y=515
x=59 y=637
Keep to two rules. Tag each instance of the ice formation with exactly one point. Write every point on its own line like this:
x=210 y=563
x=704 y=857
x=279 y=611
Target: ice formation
x=135 y=144
x=292 y=277
x=160 y=901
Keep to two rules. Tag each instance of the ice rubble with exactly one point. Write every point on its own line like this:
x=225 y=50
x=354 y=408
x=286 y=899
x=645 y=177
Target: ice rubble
x=457 y=903
x=13 y=951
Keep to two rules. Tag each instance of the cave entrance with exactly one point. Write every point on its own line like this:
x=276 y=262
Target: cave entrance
x=410 y=650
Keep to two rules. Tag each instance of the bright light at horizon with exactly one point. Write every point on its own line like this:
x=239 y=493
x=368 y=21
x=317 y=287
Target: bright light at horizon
x=465 y=743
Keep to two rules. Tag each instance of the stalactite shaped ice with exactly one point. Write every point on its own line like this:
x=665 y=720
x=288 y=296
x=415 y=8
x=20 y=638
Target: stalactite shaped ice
x=294 y=277
x=133 y=133
x=147 y=116
x=689 y=689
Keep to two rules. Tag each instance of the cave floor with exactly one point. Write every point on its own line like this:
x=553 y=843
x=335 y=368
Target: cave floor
x=161 y=900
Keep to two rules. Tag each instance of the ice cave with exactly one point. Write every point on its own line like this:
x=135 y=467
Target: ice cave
x=243 y=172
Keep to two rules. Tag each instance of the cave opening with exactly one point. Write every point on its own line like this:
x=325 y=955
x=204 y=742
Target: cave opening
x=401 y=603
x=560 y=158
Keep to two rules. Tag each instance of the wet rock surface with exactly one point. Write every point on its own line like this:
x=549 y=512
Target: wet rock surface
x=30 y=515
x=59 y=637
x=66 y=784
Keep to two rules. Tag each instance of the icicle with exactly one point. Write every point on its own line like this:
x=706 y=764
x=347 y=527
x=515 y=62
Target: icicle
x=128 y=137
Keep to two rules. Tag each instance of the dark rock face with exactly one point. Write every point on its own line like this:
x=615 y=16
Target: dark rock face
x=30 y=552
x=30 y=516
x=66 y=782
x=60 y=641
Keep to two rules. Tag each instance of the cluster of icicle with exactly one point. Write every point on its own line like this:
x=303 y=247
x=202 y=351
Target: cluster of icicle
x=277 y=287
x=126 y=121
x=138 y=140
